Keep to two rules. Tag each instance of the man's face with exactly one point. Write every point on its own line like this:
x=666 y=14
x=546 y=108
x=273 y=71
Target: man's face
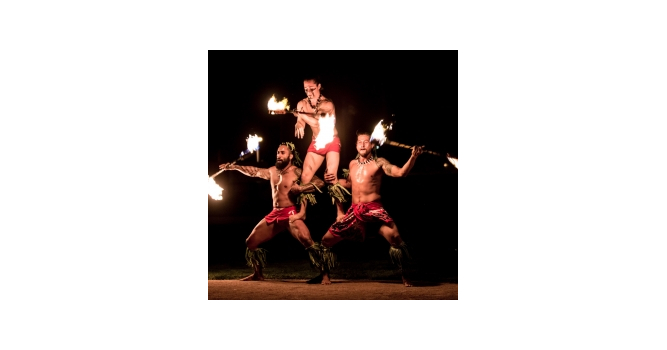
x=283 y=157
x=312 y=90
x=364 y=145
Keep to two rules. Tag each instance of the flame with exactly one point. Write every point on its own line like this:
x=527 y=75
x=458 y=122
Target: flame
x=253 y=143
x=214 y=190
x=274 y=105
x=379 y=133
x=326 y=135
x=454 y=161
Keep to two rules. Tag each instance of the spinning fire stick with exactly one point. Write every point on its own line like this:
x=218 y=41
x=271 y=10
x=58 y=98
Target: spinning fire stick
x=378 y=135
x=253 y=145
x=282 y=107
x=214 y=190
x=394 y=143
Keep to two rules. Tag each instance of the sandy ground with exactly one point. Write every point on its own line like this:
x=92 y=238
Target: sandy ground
x=338 y=290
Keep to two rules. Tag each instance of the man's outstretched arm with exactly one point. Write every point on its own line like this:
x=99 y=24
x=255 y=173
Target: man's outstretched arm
x=251 y=171
x=393 y=170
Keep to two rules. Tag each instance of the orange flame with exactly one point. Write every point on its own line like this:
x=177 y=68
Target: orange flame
x=326 y=135
x=278 y=107
x=379 y=133
x=253 y=143
x=214 y=190
x=454 y=161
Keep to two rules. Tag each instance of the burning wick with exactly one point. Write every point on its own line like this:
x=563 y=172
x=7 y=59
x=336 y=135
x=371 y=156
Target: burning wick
x=253 y=143
x=379 y=133
x=277 y=107
x=214 y=190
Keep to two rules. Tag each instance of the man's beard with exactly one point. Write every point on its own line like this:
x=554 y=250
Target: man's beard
x=281 y=164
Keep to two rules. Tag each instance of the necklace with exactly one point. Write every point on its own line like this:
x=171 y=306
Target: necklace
x=285 y=170
x=364 y=162
x=317 y=105
x=280 y=176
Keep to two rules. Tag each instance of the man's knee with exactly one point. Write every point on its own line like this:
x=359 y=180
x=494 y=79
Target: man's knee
x=250 y=243
x=328 y=240
x=394 y=239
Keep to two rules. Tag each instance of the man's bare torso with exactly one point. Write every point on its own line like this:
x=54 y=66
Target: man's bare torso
x=280 y=186
x=325 y=107
x=366 y=180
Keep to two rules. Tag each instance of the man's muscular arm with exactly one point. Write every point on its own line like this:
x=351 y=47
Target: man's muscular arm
x=327 y=107
x=309 y=187
x=251 y=171
x=300 y=125
x=394 y=171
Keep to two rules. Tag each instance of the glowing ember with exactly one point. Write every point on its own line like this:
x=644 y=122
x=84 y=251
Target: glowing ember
x=253 y=143
x=277 y=107
x=454 y=161
x=326 y=135
x=214 y=190
x=378 y=133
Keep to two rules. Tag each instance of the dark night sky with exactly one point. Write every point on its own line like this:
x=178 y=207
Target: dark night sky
x=417 y=90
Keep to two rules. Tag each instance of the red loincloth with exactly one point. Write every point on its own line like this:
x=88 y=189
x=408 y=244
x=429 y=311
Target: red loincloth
x=333 y=146
x=281 y=216
x=353 y=225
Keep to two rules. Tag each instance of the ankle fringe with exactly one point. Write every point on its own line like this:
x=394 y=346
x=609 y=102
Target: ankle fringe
x=256 y=258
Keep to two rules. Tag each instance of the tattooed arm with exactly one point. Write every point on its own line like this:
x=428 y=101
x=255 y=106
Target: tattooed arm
x=251 y=171
x=309 y=187
x=394 y=171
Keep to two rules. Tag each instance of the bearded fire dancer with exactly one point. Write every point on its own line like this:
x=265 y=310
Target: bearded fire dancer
x=364 y=179
x=284 y=180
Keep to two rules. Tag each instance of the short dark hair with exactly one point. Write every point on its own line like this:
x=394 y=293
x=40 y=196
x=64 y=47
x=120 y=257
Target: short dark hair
x=313 y=77
x=364 y=132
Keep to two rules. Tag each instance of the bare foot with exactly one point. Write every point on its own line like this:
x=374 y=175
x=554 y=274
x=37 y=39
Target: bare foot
x=325 y=279
x=406 y=282
x=253 y=277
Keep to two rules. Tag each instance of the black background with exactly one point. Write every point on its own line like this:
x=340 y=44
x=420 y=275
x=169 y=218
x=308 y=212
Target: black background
x=416 y=90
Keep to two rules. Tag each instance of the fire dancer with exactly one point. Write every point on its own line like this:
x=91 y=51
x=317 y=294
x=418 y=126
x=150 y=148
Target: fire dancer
x=365 y=178
x=320 y=111
x=283 y=178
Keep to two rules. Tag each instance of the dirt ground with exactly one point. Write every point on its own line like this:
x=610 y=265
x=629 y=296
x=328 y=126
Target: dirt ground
x=338 y=290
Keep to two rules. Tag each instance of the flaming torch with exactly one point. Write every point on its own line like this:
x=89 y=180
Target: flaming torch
x=282 y=107
x=276 y=107
x=379 y=136
x=253 y=145
x=214 y=190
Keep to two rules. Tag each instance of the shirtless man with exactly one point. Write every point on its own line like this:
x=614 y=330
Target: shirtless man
x=283 y=177
x=315 y=107
x=364 y=179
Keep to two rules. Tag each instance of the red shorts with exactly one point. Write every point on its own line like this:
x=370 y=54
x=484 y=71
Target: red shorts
x=280 y=216
x=333 y=146
x=353 y=225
